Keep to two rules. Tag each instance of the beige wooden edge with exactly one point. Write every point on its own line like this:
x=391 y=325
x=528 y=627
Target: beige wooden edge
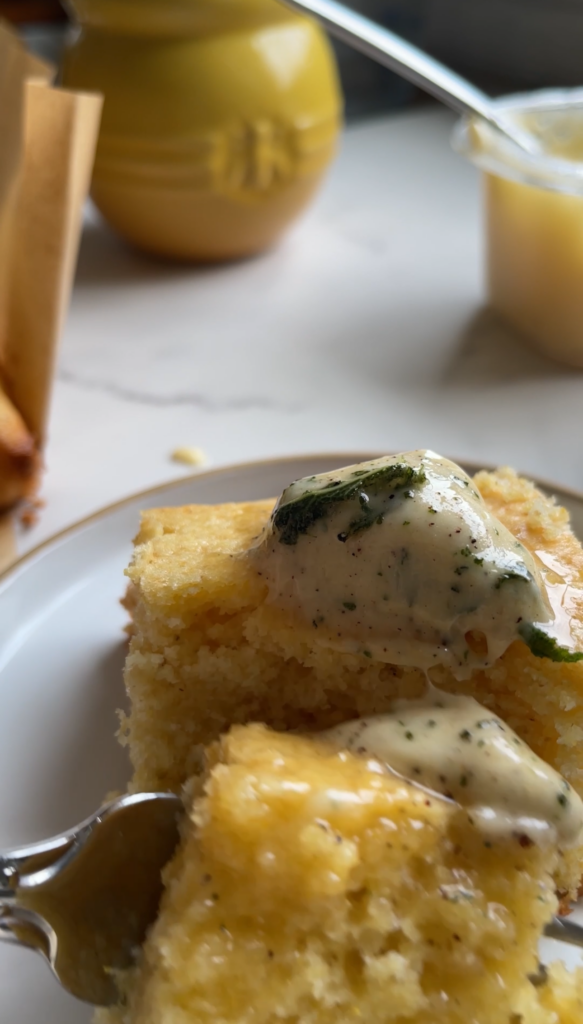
x=7 y=541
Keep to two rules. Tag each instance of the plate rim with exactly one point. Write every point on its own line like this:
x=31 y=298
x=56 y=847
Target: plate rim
x=29 y=556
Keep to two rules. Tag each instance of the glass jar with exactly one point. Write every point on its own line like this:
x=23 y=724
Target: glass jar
x=534 y=219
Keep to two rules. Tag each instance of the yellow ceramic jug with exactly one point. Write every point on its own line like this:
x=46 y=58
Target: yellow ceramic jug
x=220 y=118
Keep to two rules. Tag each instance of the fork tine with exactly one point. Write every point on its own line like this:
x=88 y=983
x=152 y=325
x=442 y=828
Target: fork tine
x=565 y=931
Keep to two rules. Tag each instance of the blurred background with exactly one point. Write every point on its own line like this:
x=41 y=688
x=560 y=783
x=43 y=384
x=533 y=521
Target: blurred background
x=425 y=293
x=502 y=45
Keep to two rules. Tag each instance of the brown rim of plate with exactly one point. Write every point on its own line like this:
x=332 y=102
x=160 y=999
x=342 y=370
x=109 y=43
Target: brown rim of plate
x=351 y=458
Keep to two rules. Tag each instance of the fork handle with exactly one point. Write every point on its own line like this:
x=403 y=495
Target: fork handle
x=25 y=859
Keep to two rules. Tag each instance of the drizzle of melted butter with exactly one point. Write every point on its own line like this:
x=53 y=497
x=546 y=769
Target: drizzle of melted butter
x=454 y=747
x=563 y=597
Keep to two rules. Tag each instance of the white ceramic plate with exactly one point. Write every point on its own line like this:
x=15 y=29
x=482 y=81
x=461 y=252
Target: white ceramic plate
x=62 y=648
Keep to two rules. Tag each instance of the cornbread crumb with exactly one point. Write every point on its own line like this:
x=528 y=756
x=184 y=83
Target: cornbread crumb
x=311 y=887
x=189 y=456
x=208 y=651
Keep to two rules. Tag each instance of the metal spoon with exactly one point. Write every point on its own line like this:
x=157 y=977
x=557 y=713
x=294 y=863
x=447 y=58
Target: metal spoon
x=412 y=63
x=85 y=899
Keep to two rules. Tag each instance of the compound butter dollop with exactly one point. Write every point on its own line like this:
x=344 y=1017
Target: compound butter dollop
x=400 y=560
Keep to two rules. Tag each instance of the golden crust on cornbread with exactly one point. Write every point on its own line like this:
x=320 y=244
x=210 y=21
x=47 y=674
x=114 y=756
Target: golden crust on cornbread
x=208 y=651
x=312 y=886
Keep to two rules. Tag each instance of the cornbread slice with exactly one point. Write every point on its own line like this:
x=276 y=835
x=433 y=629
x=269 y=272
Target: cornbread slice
x=208 y=650
x=312 y=886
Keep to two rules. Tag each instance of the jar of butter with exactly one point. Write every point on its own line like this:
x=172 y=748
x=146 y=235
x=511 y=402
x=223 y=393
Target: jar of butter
x=534 y=218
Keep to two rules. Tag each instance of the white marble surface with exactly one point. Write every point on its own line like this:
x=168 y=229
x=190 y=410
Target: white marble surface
x=364 y=329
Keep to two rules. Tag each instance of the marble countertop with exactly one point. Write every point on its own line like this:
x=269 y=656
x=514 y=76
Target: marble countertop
x=365 y=329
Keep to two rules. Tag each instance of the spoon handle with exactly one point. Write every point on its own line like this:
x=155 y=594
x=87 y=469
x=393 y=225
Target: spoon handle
x=410 y=62
x=395 y=53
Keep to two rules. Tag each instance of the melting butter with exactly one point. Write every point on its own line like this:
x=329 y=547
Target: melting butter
x=564 y=598
x=400 y=560
x=457 y=748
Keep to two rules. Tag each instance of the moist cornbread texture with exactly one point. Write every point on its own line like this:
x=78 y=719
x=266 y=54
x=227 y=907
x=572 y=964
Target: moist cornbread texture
x=312 y=885
x=208 y=651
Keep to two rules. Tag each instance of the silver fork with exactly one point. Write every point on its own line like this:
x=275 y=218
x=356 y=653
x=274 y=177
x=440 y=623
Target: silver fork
x=85 y=898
